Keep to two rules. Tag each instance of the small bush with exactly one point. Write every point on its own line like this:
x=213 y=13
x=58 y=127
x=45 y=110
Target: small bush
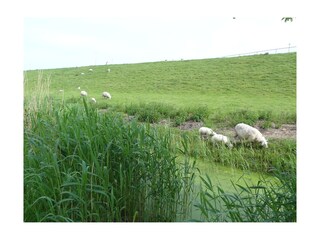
x=72 y=100
x=153 y=112
x=265 y=115
x=198 y=114
x=268 y=118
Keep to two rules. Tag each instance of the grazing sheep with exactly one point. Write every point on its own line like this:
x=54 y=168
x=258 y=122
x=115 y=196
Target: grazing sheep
x=94 y=100
x=205 y=132
x=106 y=95
x=219 y=138
x=84 y=93
x=61 y=90
x=79 y=88
x=90 y=70
x=82 y=73
x=109 y=70
x=251 y=134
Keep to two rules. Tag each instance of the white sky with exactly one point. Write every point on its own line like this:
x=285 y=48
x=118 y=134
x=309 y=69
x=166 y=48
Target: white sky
x=70 y=42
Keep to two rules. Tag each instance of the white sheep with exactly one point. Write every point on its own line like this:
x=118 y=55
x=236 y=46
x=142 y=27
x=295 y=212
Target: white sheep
x=106 y=95
x=79 y=88
x=251 y=134
x=84 y=93
x=94 y=100
x=206 y=132
x=90 y=70
x=82 y=73
x=109 y=70
x=219 y=138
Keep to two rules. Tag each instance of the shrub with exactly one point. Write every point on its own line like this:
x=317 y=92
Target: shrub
x=267 y=118
x=198 y=114
x=153 y=112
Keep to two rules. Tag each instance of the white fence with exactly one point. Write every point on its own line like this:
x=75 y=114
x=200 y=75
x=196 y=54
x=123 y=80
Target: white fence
x=268 y=51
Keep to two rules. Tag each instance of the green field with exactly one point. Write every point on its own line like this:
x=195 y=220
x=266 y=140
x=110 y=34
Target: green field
x=255 y=83
x=82 y=164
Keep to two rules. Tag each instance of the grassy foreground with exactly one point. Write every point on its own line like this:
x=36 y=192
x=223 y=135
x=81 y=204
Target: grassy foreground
x=83 y=166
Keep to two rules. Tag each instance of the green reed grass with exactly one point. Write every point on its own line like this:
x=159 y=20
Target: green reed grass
x=81 y=165
x=264 y=202
x=39 y=101
x=280 y=154
x=153 y=112
x=251 y=117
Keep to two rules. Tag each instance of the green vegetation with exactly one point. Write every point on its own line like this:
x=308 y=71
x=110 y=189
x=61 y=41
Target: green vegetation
x=280 y=155
x=154 y=112
x=263 y=85
x=90 y=162
x=84 y=166
x=265 y=202
x=220 y=119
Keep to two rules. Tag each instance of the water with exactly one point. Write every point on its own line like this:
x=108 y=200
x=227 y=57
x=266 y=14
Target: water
x=222 y=176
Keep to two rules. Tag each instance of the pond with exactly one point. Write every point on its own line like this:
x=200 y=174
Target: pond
x=224 y=177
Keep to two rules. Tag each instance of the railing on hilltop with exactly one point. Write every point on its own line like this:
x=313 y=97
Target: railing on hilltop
x=268 y=51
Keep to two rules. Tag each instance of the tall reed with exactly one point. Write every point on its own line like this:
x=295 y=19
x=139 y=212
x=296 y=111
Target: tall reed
x=84 y=166
x=280 y=155
x=37 y=100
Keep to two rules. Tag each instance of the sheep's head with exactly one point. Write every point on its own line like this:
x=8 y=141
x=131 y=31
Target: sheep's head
x=212 y=133
x=264 y=143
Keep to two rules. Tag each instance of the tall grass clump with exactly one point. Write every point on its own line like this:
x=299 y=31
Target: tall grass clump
x=280 y=154
x=37 y=101
x=266 y=201
x=153 y=112
x=267 y=118
x=83 y=166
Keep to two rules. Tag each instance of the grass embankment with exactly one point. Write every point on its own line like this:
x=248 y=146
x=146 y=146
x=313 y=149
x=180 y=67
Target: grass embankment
x=262 y=86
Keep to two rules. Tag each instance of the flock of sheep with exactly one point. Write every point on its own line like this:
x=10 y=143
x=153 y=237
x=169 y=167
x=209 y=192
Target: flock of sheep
x=104 y=94
x=243 y=131
x=83 y=93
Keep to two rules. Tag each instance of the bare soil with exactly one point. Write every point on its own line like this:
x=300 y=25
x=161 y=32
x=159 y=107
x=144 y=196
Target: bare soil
x=285 y=131
x=190 y=125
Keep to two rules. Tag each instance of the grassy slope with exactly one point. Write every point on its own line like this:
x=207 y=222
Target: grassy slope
x=262 y=82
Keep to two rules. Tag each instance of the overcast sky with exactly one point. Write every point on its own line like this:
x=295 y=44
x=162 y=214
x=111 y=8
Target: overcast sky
x=70 y=42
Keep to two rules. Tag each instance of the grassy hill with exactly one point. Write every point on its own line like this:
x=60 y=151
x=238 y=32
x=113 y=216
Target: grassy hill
x=256 y=83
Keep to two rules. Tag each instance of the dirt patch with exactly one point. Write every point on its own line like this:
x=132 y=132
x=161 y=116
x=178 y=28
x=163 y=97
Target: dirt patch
x=285 y=131
x=288 y=131
x=190 y=125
